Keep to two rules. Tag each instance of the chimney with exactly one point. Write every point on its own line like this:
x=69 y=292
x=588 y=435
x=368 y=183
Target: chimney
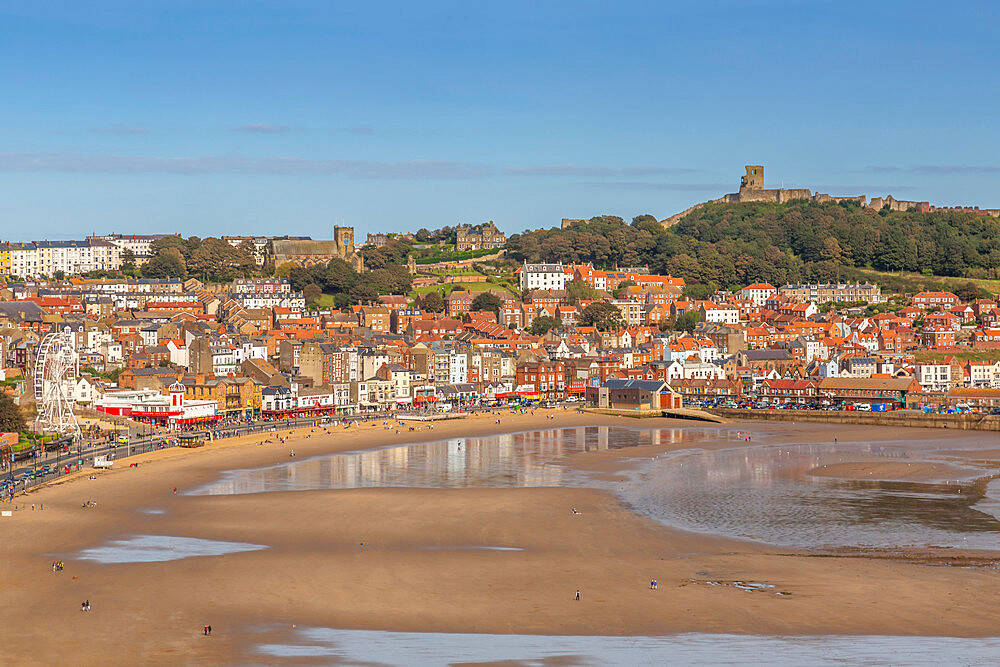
x=199 y=378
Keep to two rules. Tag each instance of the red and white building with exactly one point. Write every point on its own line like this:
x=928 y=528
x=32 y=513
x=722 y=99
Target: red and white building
x=148 y=405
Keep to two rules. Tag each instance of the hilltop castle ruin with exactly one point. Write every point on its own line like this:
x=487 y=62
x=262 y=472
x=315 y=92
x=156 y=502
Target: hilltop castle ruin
x=752 y=190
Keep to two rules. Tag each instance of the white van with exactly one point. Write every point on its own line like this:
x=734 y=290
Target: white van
x=103 y=462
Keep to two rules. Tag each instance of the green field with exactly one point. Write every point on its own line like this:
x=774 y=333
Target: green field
x=326 y=301
x=462 y=271
x=444 y=290
x=916 y=282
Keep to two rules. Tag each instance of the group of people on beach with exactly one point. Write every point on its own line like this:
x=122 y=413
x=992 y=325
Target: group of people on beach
x=89 y=503
x=57 y=566
x=85 y=605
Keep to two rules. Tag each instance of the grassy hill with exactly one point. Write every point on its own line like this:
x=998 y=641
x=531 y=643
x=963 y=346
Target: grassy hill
x=730 y=245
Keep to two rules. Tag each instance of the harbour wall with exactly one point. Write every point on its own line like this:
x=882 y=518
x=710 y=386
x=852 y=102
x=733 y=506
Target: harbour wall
x=896 y=418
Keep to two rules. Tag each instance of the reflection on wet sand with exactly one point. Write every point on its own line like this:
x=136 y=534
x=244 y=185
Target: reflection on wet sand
x=765 y=493
x=758 y=491
x=159 y=548
x=500 y=461
x=397 y=648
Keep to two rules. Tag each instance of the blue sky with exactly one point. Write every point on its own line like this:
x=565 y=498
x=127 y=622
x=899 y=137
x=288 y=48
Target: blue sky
x=257 y=117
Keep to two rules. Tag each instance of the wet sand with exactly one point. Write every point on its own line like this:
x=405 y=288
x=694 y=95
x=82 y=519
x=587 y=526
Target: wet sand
x=893 y=471
x=315 y=571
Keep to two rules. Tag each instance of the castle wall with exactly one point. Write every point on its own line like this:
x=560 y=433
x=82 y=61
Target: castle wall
x=860 y=200
x=878 y=203
x=751 y=192
x=793 y=195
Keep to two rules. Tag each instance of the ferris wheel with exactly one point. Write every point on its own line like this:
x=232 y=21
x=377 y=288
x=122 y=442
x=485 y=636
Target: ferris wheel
x=55 y=373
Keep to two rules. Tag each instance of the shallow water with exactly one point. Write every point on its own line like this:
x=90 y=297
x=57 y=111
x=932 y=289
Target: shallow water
x=407 y=648
x=498 y=461
x=158 y=548
x=470 y=548
x=765 y=493
x=756 y=491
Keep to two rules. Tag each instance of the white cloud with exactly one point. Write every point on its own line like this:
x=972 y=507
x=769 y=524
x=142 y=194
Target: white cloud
x=216 y=164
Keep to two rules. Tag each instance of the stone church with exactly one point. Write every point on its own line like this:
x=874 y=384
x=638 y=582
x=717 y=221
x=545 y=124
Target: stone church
x=307 y=253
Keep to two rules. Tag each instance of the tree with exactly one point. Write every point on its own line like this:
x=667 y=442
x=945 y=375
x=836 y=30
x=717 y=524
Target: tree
x=166 y=263
x=542 y=325
x=364 y=293
x=602 y=315
x=59 y=275
x=11 y=419
x=339 y=277
x=300 y=276
x=687 y=320
x=128 y=261
x=488 y=301
x=393 y=252
x=969 y=292
x=393 y=279
x=622 y=286
x=173 y=241
x=432 y=303
x=577 y=290
x=312 y=294
x=831 y=250
x=216 y=260
x=699 y=292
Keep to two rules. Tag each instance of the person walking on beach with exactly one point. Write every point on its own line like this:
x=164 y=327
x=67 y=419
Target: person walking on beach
x=578 y=595
x=86 y=605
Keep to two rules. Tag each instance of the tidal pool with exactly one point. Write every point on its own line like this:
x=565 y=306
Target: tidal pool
x=319 y=645
x=530 y=458
x=760 y=491
x=158 y=548
x=765 y=493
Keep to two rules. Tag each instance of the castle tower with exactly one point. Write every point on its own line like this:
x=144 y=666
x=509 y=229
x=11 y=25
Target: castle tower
x=343 y=237
x=754 y=179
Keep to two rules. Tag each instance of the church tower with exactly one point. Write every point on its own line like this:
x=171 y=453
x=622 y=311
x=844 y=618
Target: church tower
x=343 y=237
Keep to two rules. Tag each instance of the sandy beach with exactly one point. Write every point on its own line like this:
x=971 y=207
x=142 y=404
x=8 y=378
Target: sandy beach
x=416 y=570
x=891 y=471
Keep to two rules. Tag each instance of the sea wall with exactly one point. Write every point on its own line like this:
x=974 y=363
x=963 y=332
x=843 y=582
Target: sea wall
x=896 y=418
